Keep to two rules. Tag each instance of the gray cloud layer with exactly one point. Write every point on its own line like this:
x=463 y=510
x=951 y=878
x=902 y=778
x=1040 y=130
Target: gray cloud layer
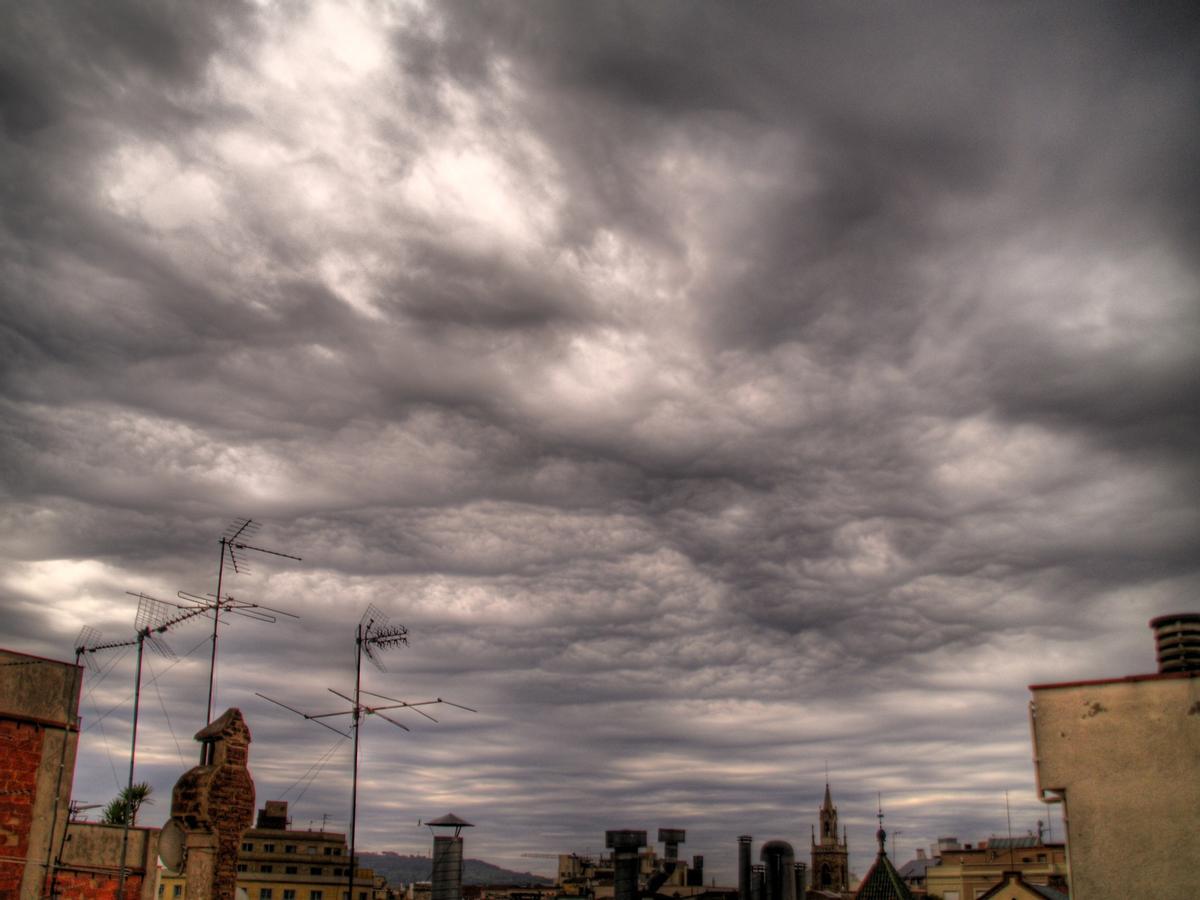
x=714 y=391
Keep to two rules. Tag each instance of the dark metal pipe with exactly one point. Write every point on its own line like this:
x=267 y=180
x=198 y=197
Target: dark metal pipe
x=744 y=842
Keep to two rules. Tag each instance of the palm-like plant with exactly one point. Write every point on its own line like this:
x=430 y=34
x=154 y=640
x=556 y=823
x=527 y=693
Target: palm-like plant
x=124 y=807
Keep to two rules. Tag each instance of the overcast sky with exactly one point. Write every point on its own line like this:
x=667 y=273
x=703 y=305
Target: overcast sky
x=718 y=392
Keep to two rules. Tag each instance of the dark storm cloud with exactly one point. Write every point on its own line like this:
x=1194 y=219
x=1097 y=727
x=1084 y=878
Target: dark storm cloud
x=709 y=389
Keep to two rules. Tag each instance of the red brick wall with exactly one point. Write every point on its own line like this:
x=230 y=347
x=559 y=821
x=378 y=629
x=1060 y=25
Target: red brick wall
x=87 y=886
x=20 y=756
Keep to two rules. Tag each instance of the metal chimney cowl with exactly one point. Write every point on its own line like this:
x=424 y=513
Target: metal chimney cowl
x=1177 y=642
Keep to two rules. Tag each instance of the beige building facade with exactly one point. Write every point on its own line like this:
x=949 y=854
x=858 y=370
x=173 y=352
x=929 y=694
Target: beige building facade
x=969 y=872
x=1123 y=757
x=276 y=862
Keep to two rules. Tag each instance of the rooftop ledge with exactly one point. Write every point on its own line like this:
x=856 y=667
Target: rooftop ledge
x=1153 y=676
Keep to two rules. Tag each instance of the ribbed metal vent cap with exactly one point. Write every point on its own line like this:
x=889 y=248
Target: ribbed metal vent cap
x=1177 y=641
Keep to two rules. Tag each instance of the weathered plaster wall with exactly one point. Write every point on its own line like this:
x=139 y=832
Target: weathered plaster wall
x=1125 y=754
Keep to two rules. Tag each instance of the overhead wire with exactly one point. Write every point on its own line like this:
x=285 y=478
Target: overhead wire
x=313 y=771
x=166 y=715
x=90 y=695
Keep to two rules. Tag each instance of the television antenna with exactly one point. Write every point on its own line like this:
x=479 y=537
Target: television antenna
x=373 y=635
x=233 y=544
x=154 y=618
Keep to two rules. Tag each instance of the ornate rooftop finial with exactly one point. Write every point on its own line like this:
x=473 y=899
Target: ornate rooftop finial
x=881 y=835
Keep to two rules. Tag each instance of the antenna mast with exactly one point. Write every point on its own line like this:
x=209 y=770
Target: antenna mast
x=373 y=634
x=153 y=618
x=232 y=542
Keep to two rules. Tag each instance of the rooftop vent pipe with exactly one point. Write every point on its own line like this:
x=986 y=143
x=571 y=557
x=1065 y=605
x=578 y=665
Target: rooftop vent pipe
x=1177 y=641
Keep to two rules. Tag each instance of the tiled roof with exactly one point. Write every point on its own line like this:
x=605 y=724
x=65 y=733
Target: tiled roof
x=883 y=882
x=1048 y=892
x=915 y=868
x=1014 y=878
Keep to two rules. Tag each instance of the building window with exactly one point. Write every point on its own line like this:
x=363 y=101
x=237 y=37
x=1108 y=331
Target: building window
x=290 y=870
x=247 y=846
x=289 y=894
x=1041 y=857
x=268 y=848
x=177 y=891
x=289 y=848
x=310 y=849
x=316 y=895
x=266 y=867
x=161 y=889
x=329 y=851
x=316 y=870
x=265 y=893
x=241 y=867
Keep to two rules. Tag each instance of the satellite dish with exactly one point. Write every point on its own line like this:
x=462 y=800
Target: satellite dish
x=171 y=842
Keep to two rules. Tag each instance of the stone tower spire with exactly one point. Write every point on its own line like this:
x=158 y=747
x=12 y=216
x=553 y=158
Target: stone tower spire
x=830 y=859
x=828 y=819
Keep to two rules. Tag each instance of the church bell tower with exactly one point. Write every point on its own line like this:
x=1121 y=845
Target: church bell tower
x=830 y=858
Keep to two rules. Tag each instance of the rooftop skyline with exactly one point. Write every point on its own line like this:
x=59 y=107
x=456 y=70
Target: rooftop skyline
x=717 y=393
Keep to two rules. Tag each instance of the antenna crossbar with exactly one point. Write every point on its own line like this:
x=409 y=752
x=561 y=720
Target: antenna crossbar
x=374 y=633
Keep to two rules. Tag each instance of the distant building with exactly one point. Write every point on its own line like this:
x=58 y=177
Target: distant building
x=913 y=872
x=830 y=870
x=279 y=863
x=667 y=877
x=968 y=871
x=1123 y=757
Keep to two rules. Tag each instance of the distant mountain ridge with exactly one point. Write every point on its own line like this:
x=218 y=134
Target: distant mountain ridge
x=398 y=869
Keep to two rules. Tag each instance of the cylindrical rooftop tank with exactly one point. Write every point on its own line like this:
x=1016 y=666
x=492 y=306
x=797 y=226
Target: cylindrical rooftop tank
x=1177 y=641
x=447 y=867
x=744 y=842
x=779 y=862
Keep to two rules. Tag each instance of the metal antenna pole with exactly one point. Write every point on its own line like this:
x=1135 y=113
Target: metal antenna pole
x=358 y=644
x=229 y=543
x=153 y=618
x=137 y=698
x=372 y=635
x=212 y=663
x=1008 y=816
x=52 y=859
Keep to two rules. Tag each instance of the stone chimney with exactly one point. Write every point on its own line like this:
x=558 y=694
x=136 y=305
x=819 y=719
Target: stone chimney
x=212 y=806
